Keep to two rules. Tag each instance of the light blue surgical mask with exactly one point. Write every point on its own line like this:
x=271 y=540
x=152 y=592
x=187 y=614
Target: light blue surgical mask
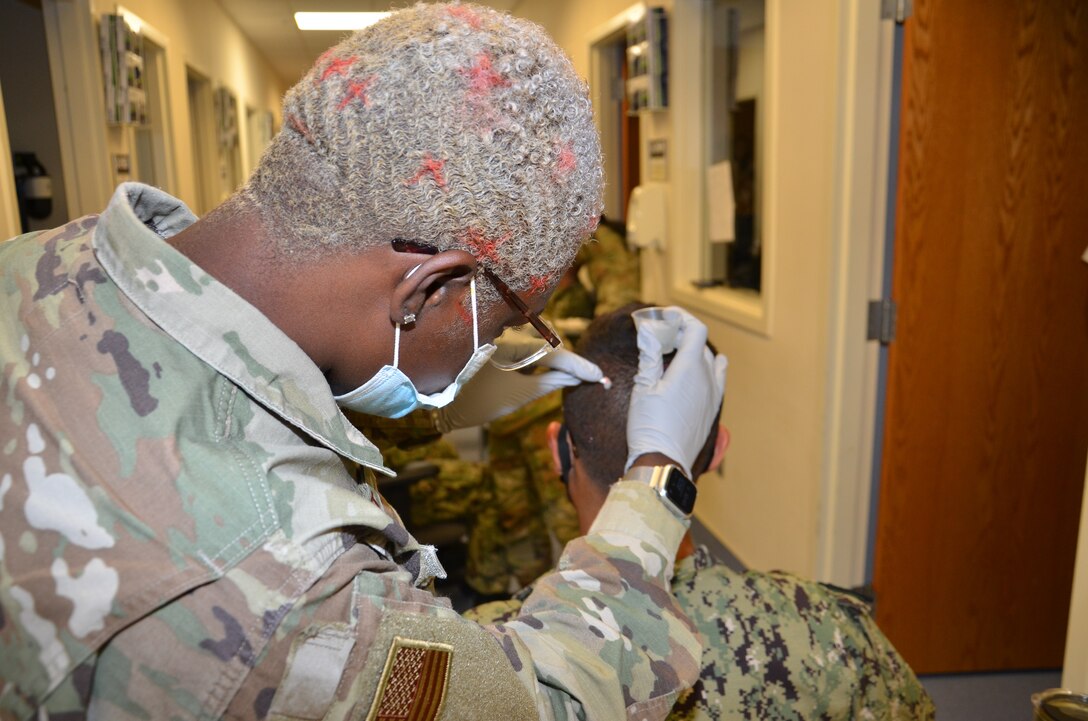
x=391 y=394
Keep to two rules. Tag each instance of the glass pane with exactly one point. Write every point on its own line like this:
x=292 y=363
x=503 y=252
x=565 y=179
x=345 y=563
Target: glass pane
x=735 y=41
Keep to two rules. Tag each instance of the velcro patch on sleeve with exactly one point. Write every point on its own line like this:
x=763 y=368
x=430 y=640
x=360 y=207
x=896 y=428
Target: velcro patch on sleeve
x=413 y=682
x=314 y=670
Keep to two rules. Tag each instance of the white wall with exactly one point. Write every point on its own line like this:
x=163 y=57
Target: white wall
x=201 y=35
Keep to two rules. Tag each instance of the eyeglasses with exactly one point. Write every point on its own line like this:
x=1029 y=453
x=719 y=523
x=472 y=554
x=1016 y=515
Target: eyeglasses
x=518 y=353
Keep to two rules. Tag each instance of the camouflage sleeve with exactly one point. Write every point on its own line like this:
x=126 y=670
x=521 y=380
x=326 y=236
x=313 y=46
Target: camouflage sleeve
x=613 y=271
x=601 y=637
x=495 y=612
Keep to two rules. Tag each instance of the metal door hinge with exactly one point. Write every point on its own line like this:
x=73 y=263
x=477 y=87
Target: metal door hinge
x=882 y=321
x=898 y=10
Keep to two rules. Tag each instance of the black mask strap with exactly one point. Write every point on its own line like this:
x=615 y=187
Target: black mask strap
x=564 y=454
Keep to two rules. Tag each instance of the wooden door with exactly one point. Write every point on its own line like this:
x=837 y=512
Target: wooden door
x=986 y=427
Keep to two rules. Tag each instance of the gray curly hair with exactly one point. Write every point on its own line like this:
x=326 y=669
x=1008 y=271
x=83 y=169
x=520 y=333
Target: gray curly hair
x=448 y=124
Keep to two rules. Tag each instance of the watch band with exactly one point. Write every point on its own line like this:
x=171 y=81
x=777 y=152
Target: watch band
x=670 y=483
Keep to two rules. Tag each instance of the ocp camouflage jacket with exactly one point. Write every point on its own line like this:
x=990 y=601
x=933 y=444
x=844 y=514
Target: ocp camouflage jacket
x=180 y=536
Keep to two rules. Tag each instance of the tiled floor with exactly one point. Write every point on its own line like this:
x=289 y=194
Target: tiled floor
x=988 y=696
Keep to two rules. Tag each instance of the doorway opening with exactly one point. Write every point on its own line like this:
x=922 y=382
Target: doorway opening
x=619 y=127
x=202 y=130
x=31 y=116
x=152 y=140
x=228 y=144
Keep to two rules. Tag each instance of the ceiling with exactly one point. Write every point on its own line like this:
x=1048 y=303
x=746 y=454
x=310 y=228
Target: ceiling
x=270 y=24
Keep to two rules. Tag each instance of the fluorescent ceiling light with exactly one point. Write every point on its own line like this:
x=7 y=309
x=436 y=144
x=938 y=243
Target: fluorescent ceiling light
x=336 y=21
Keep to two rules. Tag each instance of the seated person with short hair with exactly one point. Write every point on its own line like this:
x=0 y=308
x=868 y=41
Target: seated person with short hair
x=776 y=646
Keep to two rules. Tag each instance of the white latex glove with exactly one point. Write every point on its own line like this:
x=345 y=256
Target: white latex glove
x=571 y=326
x=494 y=393
x=673 y=410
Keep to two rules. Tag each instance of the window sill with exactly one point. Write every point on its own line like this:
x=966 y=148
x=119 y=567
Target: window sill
x=746 y=309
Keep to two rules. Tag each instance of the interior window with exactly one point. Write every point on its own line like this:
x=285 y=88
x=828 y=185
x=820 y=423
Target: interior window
x=734 y=58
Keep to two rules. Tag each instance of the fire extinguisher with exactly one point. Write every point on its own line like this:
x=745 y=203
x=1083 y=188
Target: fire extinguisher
x=33 y=187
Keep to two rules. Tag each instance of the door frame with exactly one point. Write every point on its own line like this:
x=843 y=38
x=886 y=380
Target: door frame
x=9 y=203
x=602 y=72
x=860 y=189
x=203 y=144
x=81 y=110
x=157 y=71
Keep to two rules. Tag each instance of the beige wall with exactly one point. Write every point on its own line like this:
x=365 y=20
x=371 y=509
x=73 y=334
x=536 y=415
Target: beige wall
x=201 y=35
x=766 y=503
x=1075 y=671
x=573 y=22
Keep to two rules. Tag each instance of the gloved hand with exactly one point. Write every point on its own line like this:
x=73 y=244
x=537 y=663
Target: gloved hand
x=494 y=393
x=672 y=410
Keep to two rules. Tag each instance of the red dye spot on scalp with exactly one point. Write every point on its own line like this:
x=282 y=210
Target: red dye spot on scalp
x=301 y=129
x=357 y=89
x=482 y=78
x=567 y=162
x=429 y=167
x=467 y=14
x=592 y=221
x=324 y=58
x=483 y=247
x=539 y=284
x=338 y=66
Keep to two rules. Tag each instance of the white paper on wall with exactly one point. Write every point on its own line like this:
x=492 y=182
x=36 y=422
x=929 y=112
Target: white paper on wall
x=721 y=207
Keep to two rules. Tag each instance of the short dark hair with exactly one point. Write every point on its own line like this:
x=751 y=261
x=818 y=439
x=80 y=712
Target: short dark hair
x=596 y=417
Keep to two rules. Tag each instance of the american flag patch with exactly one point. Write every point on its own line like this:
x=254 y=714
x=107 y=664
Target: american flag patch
x=413 y=683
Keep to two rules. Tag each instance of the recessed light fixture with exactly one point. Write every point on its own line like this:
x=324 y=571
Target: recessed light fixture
x=336 y=21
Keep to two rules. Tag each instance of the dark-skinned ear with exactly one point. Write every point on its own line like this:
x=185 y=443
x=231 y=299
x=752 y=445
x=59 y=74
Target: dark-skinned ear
x=439 y=278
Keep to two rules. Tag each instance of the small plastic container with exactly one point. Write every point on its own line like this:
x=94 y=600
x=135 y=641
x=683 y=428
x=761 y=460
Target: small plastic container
x=1060 y=704
x=665 y=329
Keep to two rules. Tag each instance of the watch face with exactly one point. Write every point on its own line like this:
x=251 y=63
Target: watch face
x=680 y=491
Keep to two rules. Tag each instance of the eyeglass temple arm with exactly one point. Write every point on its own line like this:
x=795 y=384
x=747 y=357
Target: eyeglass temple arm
x=509 y=296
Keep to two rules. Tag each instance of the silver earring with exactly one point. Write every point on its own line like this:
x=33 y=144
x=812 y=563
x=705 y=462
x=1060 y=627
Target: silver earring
x=409 y=318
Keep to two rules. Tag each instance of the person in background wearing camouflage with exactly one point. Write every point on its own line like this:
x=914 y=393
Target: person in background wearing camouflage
x=180 y=536
x=534 y=517
x=777 y=647
x=520 y=532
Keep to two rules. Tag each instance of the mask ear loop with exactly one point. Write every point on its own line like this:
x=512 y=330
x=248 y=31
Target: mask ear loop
x=475 y=321
x=396 y=346
x=396 y=333
x=565 y=464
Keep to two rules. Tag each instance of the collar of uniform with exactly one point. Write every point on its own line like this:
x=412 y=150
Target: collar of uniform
x=216 y=324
